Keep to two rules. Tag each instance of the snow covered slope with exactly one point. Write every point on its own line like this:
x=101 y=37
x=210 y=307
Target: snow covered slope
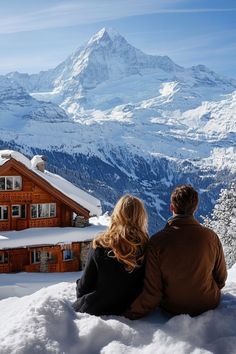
x=18 y=108
x=45 y=322
x=113 y=89
x=141 y=122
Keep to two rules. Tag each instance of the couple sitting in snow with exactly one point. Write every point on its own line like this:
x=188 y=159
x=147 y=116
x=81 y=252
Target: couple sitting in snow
x=180 y=269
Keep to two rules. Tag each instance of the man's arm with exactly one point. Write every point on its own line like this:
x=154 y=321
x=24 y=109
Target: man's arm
x=220 y=271
x=87 y=283
x=151 y=294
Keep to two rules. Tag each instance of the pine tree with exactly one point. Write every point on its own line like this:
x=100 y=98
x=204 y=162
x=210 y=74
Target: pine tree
x=223 y=222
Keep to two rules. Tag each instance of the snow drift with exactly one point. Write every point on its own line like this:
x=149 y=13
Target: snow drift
x=45 y=322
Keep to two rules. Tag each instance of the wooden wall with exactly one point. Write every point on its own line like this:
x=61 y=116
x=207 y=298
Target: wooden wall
x=31 y=194
x=57 y=264
x=17 y=260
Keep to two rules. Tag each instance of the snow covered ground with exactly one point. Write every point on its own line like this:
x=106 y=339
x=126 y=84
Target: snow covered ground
x=22 y=284
x=44 y=322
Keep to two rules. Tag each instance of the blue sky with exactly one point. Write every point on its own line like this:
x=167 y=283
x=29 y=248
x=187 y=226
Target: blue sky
x=38 y=35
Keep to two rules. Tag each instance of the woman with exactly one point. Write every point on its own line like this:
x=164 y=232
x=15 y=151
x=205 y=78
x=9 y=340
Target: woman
x=114 y=271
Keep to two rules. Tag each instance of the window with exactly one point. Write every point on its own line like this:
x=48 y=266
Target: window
x=52 y=210
x=35 y=256
x=34 y=212
x=49 y=255
x=10 y=183
x=2 y=183
x=17 y=183
x=43 y=210
x=67 y=255
x=16 y=210
x=3 y=258
x=3 y=212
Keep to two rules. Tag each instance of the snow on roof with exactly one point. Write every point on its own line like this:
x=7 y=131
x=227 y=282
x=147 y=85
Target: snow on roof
x=67 y=188
x=6 y=155
x=54 y=235
x=78 y=195
x=49 y=236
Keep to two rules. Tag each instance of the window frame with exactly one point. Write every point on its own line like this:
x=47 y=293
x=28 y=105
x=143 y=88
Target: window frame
x=2 y=212
x=14 y=179
x=34 y=254
x=4 y=258
x=63 y=255
x=19 y=211
x=39 y=210
x=49 y=256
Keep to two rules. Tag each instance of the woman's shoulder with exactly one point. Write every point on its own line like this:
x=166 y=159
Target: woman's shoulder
x=100 y=251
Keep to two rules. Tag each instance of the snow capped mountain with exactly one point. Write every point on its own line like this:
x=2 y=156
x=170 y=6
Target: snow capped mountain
x=141 y=122
x=107 y=56
x=108 y=71
x=17 y=107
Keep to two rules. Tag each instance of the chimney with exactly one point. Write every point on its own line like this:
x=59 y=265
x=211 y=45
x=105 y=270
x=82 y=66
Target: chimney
x=6 y=155
x=38 y=162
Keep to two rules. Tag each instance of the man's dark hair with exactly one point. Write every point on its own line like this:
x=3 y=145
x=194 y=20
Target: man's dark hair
x=184 y=199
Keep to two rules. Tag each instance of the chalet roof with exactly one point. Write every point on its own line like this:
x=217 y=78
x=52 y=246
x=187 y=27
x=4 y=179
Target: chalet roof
x=61 y=184
x=45 y=236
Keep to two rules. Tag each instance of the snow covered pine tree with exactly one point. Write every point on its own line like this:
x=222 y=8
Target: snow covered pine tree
x=223 y=222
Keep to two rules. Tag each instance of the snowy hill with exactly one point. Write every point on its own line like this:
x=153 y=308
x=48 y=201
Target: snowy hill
x=116 y=120
x=44 y=322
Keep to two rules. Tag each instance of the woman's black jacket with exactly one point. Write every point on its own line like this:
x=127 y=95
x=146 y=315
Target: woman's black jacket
x=105 y=287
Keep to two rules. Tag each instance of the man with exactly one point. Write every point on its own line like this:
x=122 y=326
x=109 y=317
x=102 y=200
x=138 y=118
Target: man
x=185 y=267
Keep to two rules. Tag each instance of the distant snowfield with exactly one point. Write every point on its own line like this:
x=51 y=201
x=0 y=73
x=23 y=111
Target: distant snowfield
x=44 y=322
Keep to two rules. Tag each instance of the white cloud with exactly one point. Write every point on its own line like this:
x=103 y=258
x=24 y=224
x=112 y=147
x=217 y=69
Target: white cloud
x=80 y=12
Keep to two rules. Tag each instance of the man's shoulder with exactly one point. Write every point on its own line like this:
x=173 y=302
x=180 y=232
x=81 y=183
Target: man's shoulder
x=163 y=234
x=210 y=233
x=159 y=235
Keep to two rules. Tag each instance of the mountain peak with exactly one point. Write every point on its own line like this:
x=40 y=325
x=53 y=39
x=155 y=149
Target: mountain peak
x=10 y=89
x=104 y=34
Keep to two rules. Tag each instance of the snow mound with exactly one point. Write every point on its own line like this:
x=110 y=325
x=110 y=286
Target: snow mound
x=45 y=322
x=103 y=220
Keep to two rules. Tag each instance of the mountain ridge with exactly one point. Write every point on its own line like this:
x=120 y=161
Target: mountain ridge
x=108 y=43
x=111 y=105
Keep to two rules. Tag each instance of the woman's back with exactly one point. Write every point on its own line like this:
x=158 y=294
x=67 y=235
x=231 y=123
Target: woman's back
x=113 y=274
x=106 y=287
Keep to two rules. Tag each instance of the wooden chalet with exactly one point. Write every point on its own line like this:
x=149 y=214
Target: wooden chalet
x=31 y=197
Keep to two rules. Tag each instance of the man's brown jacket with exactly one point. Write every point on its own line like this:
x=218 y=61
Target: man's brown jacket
x=185 y=270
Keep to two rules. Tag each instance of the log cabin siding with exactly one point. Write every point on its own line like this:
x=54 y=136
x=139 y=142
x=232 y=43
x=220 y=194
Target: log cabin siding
x=20 y=259
x=36 y=190
x=34 y=193
x=56 y=263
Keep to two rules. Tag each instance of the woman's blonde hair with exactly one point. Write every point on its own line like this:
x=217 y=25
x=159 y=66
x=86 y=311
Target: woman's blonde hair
x=127 y=234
